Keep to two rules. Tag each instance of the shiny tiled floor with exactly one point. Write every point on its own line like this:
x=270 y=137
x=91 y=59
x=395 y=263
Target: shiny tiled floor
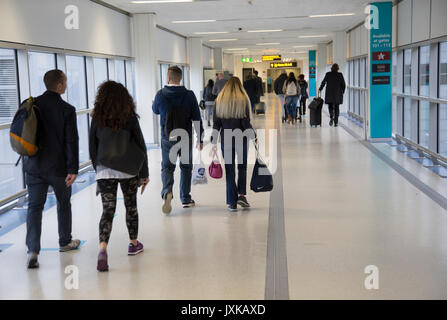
x=344 y=209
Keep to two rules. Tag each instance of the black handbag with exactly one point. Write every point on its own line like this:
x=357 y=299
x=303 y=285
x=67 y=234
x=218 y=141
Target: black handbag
x=118 y=151
x=261 y=178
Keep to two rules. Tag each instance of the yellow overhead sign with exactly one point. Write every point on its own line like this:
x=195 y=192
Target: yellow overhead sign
x=283 y=64
x=271 y=58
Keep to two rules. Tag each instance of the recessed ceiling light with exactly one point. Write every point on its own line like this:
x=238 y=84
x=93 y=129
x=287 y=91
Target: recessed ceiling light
x=267 y=44
x=236 y=49
x=314 y=36
x=211 y=32
x=275 y=30
x=160 y=1
x=193 y=21
x=331 y=15
x=221 y=40
x=302 y=46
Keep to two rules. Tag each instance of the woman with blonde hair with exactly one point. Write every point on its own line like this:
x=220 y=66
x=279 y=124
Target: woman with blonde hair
x=232 y=121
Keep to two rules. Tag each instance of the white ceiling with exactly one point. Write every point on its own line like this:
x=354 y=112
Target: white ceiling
x=289 y=15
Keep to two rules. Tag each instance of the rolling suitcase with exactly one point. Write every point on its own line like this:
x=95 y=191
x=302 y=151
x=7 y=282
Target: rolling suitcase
x=260 y=108
x=315 y=111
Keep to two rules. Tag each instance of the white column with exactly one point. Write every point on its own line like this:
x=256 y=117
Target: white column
x=339 y=52
x=238 y=66
x=144 y=32
x=196 y=66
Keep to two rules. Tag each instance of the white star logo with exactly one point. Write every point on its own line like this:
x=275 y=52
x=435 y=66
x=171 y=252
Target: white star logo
x=381 y=56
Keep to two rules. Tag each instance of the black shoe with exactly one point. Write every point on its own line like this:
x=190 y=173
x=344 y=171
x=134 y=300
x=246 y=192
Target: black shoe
x=331 y=122
x=232 y=207
x=209 y=124
x=242 y=201
x=189 y=204
x=336 y=125
x=32 y=261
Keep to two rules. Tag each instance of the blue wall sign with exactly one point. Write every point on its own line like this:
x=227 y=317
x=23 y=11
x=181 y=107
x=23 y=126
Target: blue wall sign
x=381 y=70
x=312 y=73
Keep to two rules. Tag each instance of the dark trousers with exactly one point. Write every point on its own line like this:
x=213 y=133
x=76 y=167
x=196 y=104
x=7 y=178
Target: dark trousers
x=303 y=106
x=229 y=153
x=334 y=112
x=37 y=195
x=168 y=168
x=108 y=189
x=253 y=101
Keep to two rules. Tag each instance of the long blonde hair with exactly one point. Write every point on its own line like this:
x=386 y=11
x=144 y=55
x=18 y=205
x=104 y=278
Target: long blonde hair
x=233 y=101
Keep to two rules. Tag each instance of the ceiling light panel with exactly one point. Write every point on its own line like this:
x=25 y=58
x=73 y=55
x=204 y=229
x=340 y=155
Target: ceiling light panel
x=193 y=21
x=221 y=40
x=273 y=30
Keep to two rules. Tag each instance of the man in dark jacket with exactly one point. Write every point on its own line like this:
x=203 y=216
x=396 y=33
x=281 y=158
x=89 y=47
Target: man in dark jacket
x=56 y=164
x=278 y=85
x=250 y=87
x=176 y=96
x=335 y=89
x=259 y=87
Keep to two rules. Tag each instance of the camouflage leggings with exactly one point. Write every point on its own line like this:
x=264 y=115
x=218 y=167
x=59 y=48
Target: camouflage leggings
x=108 y=189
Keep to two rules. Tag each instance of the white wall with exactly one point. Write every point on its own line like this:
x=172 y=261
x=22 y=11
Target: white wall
x=358 y=42
x=171 y=48
x=228 y=63
x=101 y=30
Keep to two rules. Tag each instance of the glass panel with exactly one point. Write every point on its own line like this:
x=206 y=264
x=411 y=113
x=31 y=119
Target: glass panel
x=9 y=95
x=424 y=71
x=443 y=70
x=407 y=118
x=99 y=71
x=351 y=73
x=39 y=64
x=11 y=178
x=424 y=124
x=356 y=73
x=120 y=73
x=130 y=74
x=407 y=71
x=76 y=86
x=164 y=74
x=443 y=130
x=83 y=138
x=394 y=114
x=394 y=71
x=362 y=73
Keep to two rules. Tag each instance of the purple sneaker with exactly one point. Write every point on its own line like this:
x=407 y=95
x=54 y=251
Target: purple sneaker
x=133 y=250
x=102 y=261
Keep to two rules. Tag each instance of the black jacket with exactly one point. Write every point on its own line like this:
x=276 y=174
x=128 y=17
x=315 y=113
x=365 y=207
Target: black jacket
x=335 y=89
x=133 y=127
x=279 y=83
x=58 y=139
x=259 y=87
x=303 y=89
x=220 y=125
x=250 y=87
x=208 y=94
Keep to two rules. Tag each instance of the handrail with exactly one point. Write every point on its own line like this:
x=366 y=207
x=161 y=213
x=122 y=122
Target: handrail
x=13 y=197
x=429 y=99
x=5 y=126
x=356 y=116
x=412 y=144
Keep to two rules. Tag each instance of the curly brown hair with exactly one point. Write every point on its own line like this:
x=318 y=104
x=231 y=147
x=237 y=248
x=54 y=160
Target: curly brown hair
x=113 y=106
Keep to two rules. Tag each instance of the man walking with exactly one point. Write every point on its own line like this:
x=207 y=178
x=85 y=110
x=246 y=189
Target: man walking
x=279 y=83
x=56 y=164
x=174 y=96
x=220 y=83
x=259 y=87
x=250 y=87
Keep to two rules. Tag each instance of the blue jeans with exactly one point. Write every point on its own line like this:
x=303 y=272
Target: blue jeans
x=291 y=102
x=229 y=153
x=168 y=168
x=37 y=195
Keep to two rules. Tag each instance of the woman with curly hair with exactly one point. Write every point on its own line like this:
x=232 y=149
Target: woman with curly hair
x=119 y=156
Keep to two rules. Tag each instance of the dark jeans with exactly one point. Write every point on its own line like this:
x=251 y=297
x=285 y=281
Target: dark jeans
x=303 y=105
x=334 y=112
x=291 y=102
x=168 y=168
x=108 y=189
x=253 y=101
x=229 y=154
x=37 y=195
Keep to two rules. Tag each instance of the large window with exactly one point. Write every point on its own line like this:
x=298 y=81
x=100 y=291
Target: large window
x=442 y=124
x=424 y=123
x=120 y=72
x=394 y=103
x=407 y=118
x=424 y=71
x=9 y=96
x=39 y=64
x=83 y=138
x=130 y=77
x=407 y=71
x=76 y=82
x=99 y=71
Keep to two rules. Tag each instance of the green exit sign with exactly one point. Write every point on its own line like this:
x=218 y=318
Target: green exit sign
x=246 y=59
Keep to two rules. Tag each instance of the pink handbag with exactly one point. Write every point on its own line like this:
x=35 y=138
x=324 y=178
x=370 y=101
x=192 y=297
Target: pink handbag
x=215 y=169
